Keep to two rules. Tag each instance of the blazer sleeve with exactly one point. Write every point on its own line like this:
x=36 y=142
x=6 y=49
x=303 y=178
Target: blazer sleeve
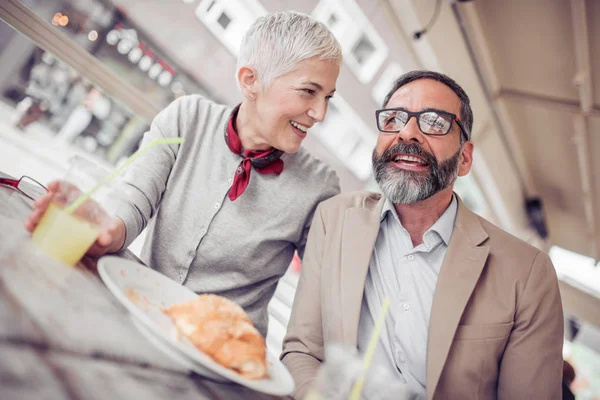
x=531 y=367
x=303 y=344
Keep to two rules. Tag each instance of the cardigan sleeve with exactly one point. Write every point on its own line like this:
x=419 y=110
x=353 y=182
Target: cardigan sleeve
x=140 y=189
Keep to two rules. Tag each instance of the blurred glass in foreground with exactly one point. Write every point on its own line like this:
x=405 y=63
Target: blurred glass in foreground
x=343 y=366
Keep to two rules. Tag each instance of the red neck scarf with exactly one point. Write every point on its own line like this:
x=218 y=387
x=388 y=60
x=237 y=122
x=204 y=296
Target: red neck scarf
x=263 y=161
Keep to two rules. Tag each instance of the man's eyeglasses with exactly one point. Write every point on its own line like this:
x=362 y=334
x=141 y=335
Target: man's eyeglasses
x=430 y=122
x=27 y=186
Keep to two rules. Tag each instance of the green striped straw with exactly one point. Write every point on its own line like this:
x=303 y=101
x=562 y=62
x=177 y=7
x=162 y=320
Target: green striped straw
x=358 y=385
x=131 y=159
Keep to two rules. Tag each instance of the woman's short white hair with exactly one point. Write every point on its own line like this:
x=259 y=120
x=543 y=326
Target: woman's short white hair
x=275 y=44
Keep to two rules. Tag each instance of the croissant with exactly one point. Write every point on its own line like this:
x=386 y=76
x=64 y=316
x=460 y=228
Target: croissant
x=223 y=330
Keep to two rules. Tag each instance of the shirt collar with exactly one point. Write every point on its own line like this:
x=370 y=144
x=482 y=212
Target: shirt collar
x=444 y=226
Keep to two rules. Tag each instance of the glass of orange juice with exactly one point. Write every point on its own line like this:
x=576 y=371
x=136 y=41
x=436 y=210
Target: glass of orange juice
x=64 y=236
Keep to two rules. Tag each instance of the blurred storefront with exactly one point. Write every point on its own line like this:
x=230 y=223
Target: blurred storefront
x=47 y=89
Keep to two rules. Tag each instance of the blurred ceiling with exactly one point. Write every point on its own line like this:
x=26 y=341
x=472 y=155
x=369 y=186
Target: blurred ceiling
x=532 y=70
x=544 y=55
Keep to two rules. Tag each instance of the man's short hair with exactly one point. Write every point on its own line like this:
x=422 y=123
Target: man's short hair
x=466 y=114
x=277 y=42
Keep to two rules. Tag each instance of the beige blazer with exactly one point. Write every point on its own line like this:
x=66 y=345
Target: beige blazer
x=496 y=327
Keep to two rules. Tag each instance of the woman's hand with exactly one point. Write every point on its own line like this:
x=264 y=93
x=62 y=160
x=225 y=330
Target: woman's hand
x=112 y=234
x=111 y=239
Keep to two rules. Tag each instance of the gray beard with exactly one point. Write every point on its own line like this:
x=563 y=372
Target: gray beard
x=406 y=187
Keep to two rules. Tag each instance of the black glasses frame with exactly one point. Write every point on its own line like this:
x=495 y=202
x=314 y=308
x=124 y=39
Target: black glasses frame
x=417 y=115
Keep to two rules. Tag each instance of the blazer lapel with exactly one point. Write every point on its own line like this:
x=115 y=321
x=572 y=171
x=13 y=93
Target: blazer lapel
x=460 y=271
x=359 y=232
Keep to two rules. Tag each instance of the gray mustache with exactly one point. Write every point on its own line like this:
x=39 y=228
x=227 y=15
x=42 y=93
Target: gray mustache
x=411 y=149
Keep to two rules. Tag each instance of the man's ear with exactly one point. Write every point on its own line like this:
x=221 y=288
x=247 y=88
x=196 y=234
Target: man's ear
x=248 y=81
x=466 y=159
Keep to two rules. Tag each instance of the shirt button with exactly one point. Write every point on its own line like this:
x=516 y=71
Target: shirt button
x=406 y=307
x=203 y=231
x=230 y=181
x=411 y=257
x=217 y=206
x=402 y=358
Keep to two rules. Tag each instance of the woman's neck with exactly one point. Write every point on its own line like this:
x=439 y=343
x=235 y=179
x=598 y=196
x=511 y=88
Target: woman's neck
x=245 y=126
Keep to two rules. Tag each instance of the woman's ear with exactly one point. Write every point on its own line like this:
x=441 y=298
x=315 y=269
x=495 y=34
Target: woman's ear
x=248 y=81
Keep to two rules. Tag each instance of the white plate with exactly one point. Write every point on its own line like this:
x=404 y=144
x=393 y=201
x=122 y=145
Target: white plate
x=173 y=353
x=144 y=292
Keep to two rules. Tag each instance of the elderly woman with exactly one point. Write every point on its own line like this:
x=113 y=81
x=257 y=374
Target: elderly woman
x=226 y=209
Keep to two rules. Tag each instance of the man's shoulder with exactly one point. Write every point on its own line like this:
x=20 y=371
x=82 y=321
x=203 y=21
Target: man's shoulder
x=506 y=245
x=357 y=199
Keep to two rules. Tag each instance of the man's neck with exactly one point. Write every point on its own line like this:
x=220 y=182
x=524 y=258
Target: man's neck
x=245 y=128
x=416 y=218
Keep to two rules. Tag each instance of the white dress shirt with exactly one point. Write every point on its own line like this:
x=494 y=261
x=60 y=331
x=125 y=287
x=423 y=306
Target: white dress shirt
x=408 y=276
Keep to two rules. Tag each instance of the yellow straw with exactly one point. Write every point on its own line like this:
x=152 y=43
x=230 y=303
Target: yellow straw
x=358 y=385
x=131 y=159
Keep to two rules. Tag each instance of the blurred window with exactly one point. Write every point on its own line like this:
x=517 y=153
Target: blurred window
x=76 y=97
x=365 y=51
x=228 y=20
x=224 y=20
x=386 y=82
x=581 y=269
x=470 y=193
x=346 y=136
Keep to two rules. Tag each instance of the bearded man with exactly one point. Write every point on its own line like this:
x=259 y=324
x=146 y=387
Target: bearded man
x=475 y=313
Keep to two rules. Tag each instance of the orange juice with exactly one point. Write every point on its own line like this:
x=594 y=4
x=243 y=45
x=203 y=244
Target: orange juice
x=64 y=237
